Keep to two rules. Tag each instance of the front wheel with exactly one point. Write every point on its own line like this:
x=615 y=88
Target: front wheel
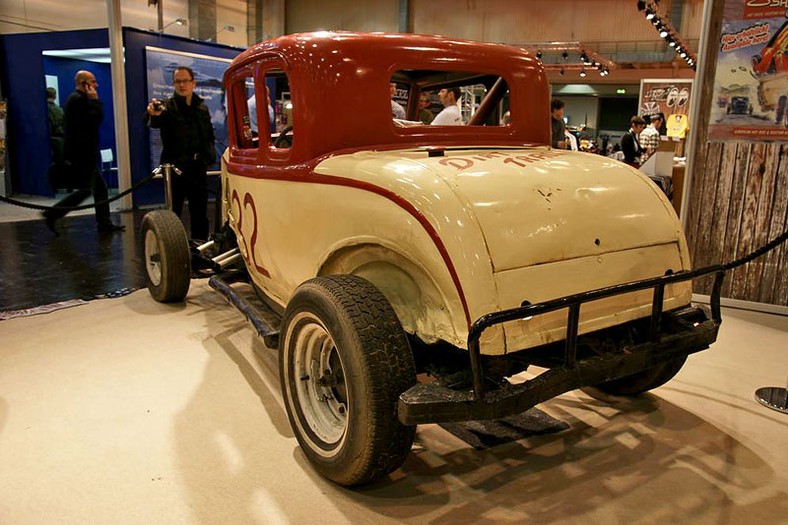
x=167 y=257
x=343 y=362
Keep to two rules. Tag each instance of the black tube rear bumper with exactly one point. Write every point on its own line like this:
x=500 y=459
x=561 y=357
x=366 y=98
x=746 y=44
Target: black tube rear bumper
x=432 y=403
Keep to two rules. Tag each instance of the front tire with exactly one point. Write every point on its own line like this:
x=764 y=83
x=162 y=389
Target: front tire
x=166 y=255
x=343 y=362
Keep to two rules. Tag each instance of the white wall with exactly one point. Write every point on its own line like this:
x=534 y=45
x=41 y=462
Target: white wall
x=32 y=16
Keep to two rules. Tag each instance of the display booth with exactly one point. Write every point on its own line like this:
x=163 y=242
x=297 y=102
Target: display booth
x=31 y=62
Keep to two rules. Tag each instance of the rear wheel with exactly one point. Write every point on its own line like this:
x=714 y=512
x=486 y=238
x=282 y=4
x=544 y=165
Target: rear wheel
x=167 y=257
x=344 y=360
x=644 y=381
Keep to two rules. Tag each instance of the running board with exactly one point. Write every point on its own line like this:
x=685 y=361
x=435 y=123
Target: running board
x=260 y=317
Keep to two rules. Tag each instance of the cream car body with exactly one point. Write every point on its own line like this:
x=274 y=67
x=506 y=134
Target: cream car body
x=409 y=273
x=450 y=238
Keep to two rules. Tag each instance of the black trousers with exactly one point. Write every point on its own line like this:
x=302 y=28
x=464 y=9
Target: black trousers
x=98 y=188
x=192 y=184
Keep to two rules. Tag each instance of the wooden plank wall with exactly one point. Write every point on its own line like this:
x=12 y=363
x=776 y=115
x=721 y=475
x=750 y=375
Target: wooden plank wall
x=740 y=202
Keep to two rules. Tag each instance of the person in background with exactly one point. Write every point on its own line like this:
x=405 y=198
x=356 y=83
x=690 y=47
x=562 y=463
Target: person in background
x=425 y=115
x=188 y=142
x=615 y=152
x=506 y=119
x=397 y=111
x=450 y=114
x=252 y=104
x=630 y=143
x=82 y=118
x=55 y=125
x=649 y=137
x=558 y=127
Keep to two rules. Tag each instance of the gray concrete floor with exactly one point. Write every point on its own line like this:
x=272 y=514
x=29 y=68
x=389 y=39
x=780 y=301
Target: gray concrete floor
x=128 y=411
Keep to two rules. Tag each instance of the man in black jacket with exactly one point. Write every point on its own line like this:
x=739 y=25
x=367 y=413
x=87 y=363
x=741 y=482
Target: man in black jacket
x=630 y=142
x=187 y=138
x=82 y=118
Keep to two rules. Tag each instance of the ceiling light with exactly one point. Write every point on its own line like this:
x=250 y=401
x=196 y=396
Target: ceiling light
x=683 y=54
x=539 y=54
x=663 y=33
x=582 y=72
x=672 y=43
x=650 y=14
x=584 y=57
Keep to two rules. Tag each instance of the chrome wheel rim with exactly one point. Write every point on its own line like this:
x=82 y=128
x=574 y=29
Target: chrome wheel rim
x=152 y=258
x=318 y=377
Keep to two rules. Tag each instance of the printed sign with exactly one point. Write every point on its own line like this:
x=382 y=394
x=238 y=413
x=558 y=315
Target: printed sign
x=750 y=98
x=670 y=97
x=208 y=72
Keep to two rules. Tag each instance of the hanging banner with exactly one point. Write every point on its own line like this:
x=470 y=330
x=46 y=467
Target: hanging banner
x=208 y=72
x=671 y=98
x=750 y=99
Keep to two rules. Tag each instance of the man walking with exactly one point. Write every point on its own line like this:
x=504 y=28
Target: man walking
x=188 y=139
x=82 y=118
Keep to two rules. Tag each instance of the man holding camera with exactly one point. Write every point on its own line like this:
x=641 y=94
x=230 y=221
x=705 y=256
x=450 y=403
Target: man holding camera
x=82 y=118
x=187 y=138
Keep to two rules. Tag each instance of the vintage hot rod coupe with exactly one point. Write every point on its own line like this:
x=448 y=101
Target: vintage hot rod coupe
x=408 y=271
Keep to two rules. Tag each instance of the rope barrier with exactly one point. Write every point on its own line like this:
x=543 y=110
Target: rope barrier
x=122 y=194
x=23 y=204
x=757 y=253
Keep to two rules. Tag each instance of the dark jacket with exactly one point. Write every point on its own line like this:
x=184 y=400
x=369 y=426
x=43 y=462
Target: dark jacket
x=55 y=119
x=82 y=118
x=186 y=132
x=630 y=147
x=557 y=128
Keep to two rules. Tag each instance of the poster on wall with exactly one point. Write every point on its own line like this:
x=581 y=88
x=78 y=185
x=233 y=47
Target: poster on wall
x=671 y=98
x=208 y=72
x=750 y=98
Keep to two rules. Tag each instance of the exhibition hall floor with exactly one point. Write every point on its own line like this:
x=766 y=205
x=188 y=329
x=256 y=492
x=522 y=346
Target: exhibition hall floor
x=126 y=411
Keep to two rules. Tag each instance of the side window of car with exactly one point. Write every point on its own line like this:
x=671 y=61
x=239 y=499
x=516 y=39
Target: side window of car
x=243 y=113
x=276 y=91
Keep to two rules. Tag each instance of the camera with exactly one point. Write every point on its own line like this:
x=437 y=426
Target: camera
x=158 y=106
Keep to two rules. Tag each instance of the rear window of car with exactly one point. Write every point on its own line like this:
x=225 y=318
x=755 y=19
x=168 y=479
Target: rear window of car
x=447 y=98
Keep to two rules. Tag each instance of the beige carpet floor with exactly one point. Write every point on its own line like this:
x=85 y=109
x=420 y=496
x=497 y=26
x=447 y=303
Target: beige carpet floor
x=126 y=411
